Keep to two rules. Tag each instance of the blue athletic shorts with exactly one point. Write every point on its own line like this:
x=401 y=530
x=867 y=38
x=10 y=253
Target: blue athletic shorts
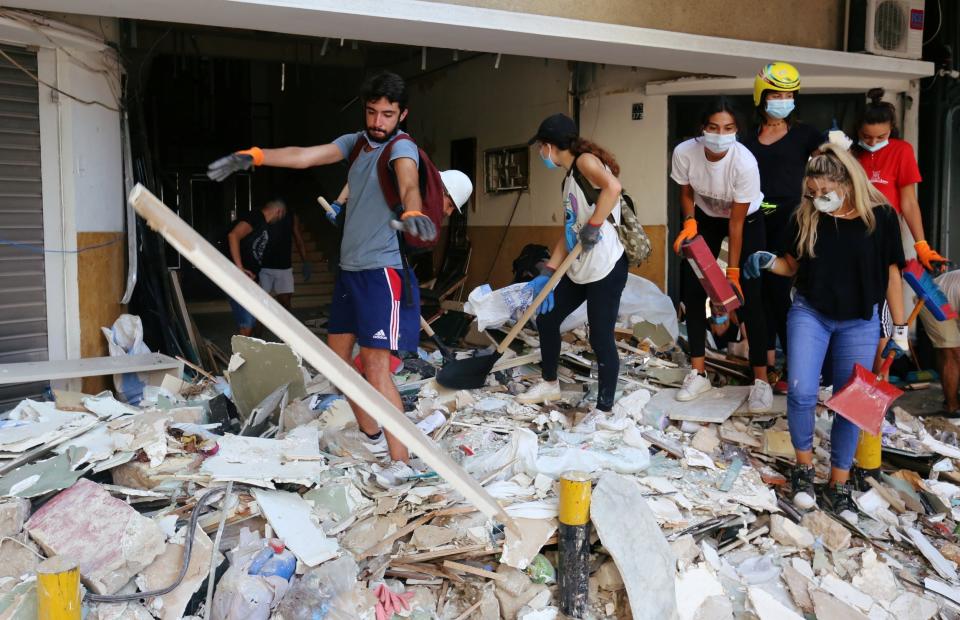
x=371 y=304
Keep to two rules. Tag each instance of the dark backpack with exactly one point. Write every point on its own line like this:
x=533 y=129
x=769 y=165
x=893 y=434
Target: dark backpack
x=526 y=266
x=431 y=190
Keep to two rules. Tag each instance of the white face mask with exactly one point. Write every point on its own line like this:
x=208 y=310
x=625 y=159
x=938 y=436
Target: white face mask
x=828 y=203
x=719 y=143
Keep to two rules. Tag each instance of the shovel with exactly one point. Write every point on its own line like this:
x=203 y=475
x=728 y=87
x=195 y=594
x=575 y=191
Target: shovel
x=444 y=351
x=865 y=398
x=471 y=373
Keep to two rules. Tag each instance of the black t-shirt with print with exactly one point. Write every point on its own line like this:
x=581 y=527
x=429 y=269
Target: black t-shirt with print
x=253 y=246
x=848 y=274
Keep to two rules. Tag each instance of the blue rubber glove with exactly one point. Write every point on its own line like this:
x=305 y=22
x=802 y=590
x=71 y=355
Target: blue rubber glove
x=336 y=206
x=536 y=285
x=757 y=262
x=307 y=271
x=899 y=342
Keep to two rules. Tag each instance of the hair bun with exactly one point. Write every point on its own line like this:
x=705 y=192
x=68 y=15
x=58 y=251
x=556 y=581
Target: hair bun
x=875 y=95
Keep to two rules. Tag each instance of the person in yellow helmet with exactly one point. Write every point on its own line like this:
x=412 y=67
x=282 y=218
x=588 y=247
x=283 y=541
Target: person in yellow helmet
x=782 y=145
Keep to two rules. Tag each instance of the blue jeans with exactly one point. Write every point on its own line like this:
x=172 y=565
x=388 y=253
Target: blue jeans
x=241 y=315
x=811 y=333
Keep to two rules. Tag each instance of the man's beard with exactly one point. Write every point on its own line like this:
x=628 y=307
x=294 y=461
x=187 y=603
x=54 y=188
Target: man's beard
x=375 y=137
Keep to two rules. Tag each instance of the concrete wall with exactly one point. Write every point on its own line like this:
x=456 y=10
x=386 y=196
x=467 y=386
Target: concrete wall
x=811 y=23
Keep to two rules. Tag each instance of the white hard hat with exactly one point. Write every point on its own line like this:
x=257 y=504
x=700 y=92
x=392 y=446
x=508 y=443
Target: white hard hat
x=458 y=185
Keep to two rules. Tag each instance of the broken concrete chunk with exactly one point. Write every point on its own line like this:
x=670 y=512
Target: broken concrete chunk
x=828 y=607
x=164 y=570
x=13 y=514
x=608 y=577
x=909 y=606
x=515 y=591
x=110 y=540
x=706 y=439
x=846 y=592
x=693 y=588
x=685 y=549
x=19 y=560
x=835 y=537
x=876 y=579
x=799 y=586
x=641 y=552
x=432 y=536
x=786 y=532
x=534 y=533
x=768 y=608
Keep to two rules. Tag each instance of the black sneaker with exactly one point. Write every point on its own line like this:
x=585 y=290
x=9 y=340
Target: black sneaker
x=801 y=485
x=838 y=498
x=859 y=477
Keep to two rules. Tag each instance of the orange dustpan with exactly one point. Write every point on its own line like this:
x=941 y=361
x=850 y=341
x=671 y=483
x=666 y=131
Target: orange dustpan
x=865 y=398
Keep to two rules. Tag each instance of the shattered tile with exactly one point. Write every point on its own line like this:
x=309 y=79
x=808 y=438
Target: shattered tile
x=829 y=607
x=86 y=524
x=534 y=533
x=768 y=608
x=834 y=536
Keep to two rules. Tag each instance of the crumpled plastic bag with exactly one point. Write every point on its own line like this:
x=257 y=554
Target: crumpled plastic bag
x=328 y=591
x=493 y=308
x=642 y=300
x=521 y=452
x=125 y=337
x=240 y=596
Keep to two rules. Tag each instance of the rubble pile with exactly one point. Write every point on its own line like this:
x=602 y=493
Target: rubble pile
x=257 y=497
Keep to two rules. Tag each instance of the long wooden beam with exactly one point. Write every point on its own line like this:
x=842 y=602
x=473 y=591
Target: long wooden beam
x=288 y=328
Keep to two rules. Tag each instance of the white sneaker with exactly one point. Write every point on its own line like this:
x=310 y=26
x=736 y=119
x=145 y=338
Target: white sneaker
x=542 y=392
x=694 y=385
x=589 y=423
x=376 y=447
x=394 y=475
x=761 y=397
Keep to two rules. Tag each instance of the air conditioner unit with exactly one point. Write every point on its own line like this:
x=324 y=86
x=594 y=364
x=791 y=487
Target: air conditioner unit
x=886 y=27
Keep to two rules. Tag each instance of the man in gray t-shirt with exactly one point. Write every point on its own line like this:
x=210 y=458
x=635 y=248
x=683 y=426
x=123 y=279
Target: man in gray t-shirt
x=368 y=240
x=370 y=302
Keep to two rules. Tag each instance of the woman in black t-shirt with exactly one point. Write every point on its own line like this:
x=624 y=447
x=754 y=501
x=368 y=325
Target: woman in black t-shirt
x=782 y=146
x=843 y=245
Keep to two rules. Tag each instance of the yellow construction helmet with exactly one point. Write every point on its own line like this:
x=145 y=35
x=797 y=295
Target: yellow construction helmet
x=779 y=76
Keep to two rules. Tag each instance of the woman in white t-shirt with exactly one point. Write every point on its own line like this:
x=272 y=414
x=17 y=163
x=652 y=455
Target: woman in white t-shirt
x=591 y=204
x=720 y=197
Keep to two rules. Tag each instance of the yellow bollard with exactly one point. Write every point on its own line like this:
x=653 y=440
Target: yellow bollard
x=869 y=453
x=58 y=589
x=574 y=541
x=575 y=498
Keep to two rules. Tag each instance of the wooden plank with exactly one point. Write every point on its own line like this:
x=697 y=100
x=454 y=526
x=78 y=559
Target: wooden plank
x=519 y=360
x=181 y=306
x=434 y=555
x=274 y=317
x=472 y=570
x=27 y=372
x=385 y=544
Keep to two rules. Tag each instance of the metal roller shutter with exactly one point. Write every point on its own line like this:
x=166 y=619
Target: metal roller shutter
x=23 y=310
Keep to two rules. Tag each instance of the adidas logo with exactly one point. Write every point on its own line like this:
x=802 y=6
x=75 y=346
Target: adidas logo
x=380 y=335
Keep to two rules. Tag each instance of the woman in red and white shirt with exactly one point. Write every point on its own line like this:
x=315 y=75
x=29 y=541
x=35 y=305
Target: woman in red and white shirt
x=891 y=166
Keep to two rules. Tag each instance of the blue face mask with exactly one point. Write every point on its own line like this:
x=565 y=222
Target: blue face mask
x=719 y=143
x=547 y=161
x=719 y=319
x=780 y=108
x=873 y=149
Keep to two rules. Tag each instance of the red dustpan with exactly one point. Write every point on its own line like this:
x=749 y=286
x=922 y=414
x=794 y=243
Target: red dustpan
x=865 y=398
